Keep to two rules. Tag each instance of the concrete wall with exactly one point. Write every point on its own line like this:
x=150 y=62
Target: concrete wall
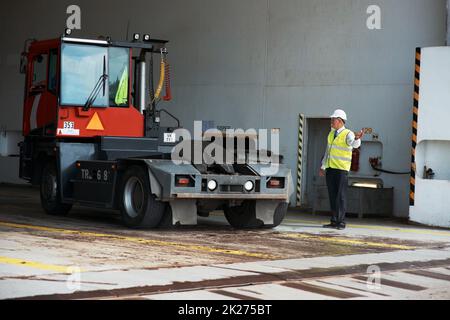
x=255 y=63
x=448 y=22
x=432 y=203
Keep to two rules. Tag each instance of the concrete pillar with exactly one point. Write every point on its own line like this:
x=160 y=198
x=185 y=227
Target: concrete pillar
x=448 y=23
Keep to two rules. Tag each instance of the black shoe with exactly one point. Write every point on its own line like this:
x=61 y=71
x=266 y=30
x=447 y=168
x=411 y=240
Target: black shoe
x=340 y=226
x=330 y=226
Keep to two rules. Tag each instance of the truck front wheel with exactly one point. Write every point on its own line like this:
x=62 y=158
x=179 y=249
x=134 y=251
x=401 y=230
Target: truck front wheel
x=245 y=217
x=138 y=205
x=50 y=193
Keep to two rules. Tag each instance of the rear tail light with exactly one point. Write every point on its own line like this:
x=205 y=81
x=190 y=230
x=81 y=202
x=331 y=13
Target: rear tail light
x=275 y=183
x=184 y=181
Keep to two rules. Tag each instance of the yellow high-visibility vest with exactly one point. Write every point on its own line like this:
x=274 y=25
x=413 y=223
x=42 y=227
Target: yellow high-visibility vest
x=122 y=90
x=339 y=152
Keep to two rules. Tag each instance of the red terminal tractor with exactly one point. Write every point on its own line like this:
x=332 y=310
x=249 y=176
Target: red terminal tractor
x=93 y=136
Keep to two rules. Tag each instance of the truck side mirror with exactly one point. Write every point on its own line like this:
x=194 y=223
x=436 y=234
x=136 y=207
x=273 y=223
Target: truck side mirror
x=23 y=63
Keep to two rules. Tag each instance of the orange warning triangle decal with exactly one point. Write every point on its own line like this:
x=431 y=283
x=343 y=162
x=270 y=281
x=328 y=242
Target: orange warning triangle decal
x=95 y=123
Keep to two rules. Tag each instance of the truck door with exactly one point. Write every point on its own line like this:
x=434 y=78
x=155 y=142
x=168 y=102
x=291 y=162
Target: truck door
x=41 y=93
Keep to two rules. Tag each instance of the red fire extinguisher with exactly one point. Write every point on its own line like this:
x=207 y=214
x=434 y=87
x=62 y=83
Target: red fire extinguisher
x=355 y=160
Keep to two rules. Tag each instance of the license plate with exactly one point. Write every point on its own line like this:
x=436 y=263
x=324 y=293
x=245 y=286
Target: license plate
x=169 y=137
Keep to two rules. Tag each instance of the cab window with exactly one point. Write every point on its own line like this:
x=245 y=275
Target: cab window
x=39 y=80
x=82 y=75
x=52 y=74
x=82 y=67
x=119 y=61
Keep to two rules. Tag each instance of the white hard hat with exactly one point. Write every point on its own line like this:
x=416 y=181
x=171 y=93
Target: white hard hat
x=339 y=114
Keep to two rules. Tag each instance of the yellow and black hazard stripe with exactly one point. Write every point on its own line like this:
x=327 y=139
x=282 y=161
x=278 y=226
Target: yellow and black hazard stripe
x=301 y=125
x=414 y=127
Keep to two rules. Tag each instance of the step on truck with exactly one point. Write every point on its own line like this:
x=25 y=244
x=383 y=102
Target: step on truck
x=93 y=136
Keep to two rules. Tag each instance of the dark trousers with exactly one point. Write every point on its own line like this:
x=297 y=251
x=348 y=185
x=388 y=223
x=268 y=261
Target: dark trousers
x=337 y=181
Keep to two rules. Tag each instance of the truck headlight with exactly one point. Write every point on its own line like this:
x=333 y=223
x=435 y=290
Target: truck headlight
x=212 y=185
x=248 y=186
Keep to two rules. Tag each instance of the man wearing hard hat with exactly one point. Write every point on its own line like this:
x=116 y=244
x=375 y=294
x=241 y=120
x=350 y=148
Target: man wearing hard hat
x=336 y=164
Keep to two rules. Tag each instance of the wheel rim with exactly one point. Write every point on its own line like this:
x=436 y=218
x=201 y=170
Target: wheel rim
x=49 y=186
x=133 y=197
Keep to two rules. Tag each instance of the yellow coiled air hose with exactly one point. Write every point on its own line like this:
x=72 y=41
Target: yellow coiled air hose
x=161 y=80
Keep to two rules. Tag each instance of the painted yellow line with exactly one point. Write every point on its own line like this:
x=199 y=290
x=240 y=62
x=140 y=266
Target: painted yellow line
x=141 y=240
x=352 y=242
x=361 y=226
x=35 y=265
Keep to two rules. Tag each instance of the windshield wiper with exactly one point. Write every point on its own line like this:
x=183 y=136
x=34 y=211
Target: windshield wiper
x=100 y=83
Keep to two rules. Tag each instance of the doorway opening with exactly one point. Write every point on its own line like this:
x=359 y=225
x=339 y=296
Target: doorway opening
x=315 y=144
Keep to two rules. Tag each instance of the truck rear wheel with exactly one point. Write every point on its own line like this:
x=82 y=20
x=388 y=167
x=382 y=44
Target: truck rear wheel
x=138 y=205
x=244 y=216
x=50 y=193
x=167 y=219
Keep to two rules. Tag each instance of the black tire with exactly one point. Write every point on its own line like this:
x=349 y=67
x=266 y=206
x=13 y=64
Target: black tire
x=278 y=217
x=138 y=205
x=244 y=216
x=167 y=219
x=50 y=192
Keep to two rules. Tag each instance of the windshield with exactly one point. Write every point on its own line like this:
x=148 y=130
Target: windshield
x=81 y=68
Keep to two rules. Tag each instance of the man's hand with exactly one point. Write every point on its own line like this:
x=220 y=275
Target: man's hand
x=360 y=134
x=321 y=173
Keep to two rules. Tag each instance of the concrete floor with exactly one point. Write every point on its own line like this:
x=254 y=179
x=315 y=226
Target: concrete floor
x=89 y=254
